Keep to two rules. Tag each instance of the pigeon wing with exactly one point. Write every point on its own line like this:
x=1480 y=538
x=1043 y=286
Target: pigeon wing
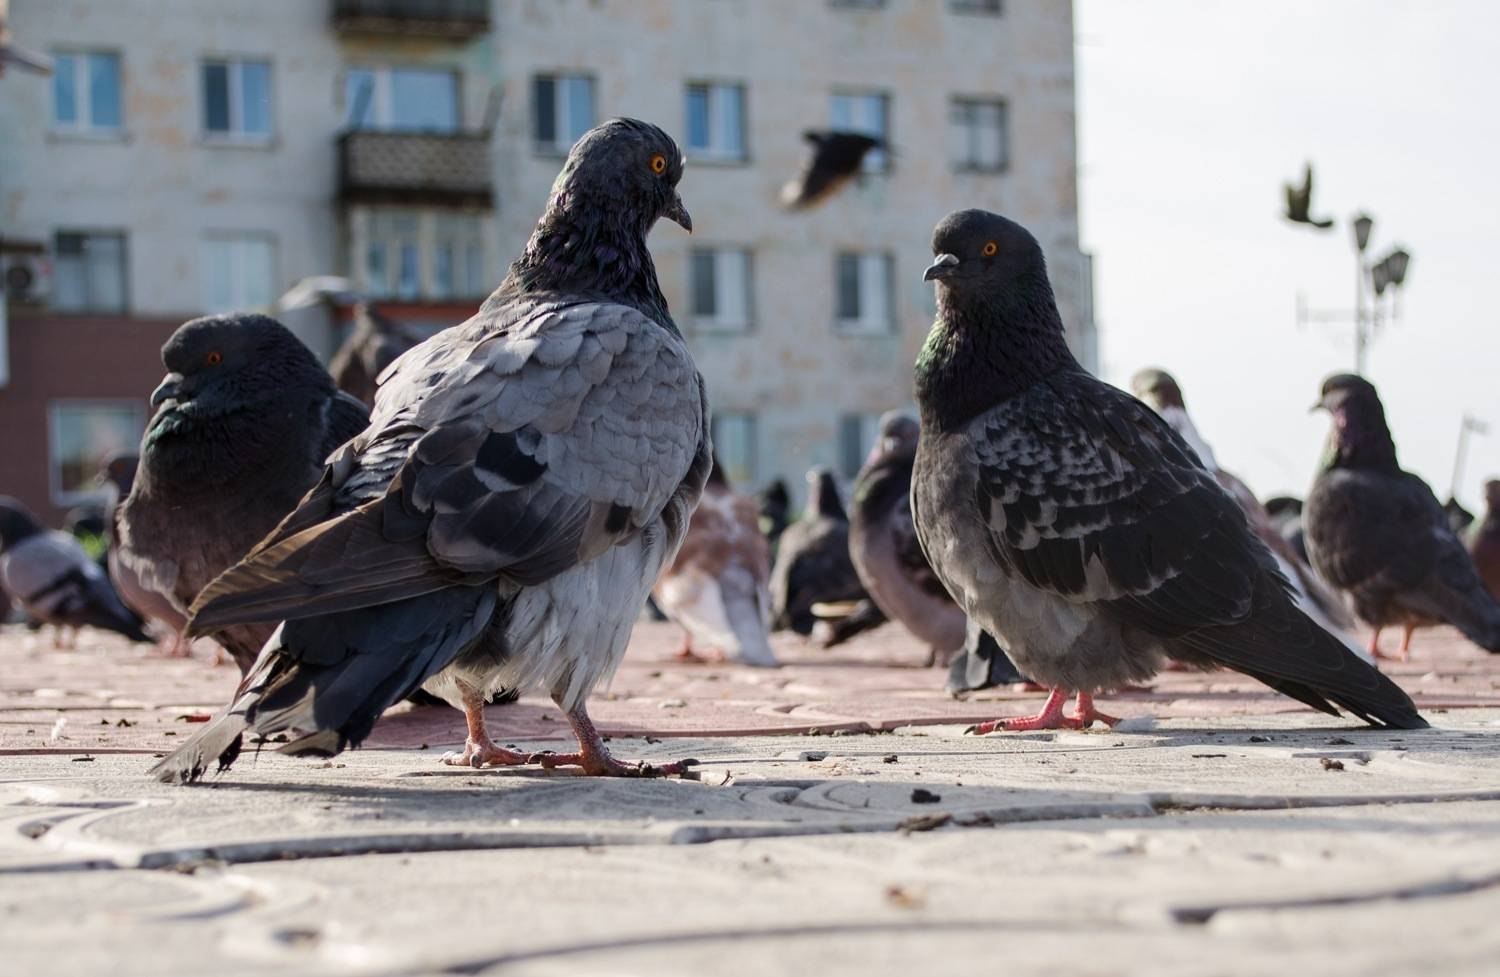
x=513 y=451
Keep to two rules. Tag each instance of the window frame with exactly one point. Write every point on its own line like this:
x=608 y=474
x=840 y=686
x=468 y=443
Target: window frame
x=383 y=96
x=237 y=270
x=739 y=481
x=862 y=326
x=90 y=307
x=469 y=260
x=83 y=95
x=978 y=8
x=236 y=135
x=971 y=103
x=559 y=112
x=876 y=161
x=711 y=153
x=865 y=426
x=64 y=498
x=718 y=322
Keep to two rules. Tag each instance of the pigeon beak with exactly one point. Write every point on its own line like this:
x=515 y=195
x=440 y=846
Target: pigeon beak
x=678 y=214
x=167 y=390
x=943 y=266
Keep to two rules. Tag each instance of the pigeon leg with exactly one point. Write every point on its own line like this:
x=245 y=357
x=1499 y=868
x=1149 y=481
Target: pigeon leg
x=595 y=759
x=1375 y=644
x=1405 y=650
x=480 y=750
x=1051 y=717
x=1084 y=713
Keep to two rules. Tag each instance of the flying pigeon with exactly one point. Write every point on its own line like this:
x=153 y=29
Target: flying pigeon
x=718 y=588
x=245 y=417
x=1299 y=202
x=118 y=477
x=812 y=562
x=836 y=159
x=1378 y=534
x=372 y=345
x=1484 y=539
x=54 y=579
x=883 y=543
x=1074 y=525
x=525 y=477
x=1160 y=391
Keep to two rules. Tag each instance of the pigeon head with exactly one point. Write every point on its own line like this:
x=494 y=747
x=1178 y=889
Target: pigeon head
x=823 y=499
x=16 y=522
x=1157 y=388
x=978 y=252
x=119 y=471
x=619 y=179
x=1492 y=495
x=1360 y=437
x=220 y=365
x=898 y=436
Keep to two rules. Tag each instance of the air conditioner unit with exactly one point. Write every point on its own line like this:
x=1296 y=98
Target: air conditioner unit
x=26 y=277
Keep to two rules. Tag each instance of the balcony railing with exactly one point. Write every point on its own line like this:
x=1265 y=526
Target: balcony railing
x=455 y=19
x=415 y=167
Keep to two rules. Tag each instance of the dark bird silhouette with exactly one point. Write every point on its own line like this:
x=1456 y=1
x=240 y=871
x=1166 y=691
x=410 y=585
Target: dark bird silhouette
x=775 y=512
x=1286 y=515
x=525 y=477
x=117 y=478
x=718 y=587
x=836 y=159
x=54 y=580
x=1299 y=202
x=1459 y=518
x=372 y=345
x=245 y=417
x=1074 y=525
x=1484 y=539
x=812 y=563
x=1378 y=534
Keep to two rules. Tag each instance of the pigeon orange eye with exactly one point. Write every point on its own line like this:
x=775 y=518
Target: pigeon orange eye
x=658 y=164
x=989 y=249
x=214 y=358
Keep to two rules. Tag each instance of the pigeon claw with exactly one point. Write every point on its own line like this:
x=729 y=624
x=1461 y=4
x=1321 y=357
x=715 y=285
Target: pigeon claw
x=602 y=764
x=484 y=754
x=1051 y=716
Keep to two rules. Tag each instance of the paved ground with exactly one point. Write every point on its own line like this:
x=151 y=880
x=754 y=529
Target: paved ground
x=1239 y=833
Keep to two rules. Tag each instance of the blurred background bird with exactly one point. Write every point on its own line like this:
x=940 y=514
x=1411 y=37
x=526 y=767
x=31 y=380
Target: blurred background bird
x=836 y=159
x=1484 y=539
x=812 y=561
x=1299 y=202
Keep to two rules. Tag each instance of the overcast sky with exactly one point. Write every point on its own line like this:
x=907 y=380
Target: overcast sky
x=1191 y=115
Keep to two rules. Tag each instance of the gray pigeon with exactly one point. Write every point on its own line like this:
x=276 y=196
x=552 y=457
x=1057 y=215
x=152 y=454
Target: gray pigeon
x=1378 y=534
x=118 y=478
x=525 y=477
x=1073 y=524
x=245 y=418
x=371 y=346
x=812 y=559
x=54 y=579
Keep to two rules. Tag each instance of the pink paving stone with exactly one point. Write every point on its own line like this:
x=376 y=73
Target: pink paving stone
x=116 y=697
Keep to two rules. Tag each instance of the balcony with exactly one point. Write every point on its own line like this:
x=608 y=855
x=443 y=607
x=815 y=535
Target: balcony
x=458 y=20
x=415 y=168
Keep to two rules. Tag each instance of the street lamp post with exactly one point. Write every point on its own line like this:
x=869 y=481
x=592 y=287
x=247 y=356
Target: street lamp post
x=1371 y=282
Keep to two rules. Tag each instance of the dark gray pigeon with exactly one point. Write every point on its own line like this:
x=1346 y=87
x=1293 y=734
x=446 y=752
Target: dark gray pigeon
x=1378 y=534
x=1074 y=525
x=53 y=578
x=524 y=478
x=775 y=512
x=118 y=478
x=245 y=417
x=1484 y=539
x=836 y=159
x=371 y=346
x=812 y=561
x=1299 y=202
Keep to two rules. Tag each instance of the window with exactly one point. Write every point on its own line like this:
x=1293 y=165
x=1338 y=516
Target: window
x=81 y=436
x=88 y=272
x=412 y=254
x=716 y=122
x=562 y=109
x=977 y=134
x=720 y=280
x=401 y=99
x=864 y=293
x=857 y=434
x=869 y=113
x=239 y=272
x=734 y=446
x=991 y=7
x=237 y=100
x=86 y=92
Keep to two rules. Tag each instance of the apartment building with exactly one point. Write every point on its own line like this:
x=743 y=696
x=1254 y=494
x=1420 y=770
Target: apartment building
x=188 y=156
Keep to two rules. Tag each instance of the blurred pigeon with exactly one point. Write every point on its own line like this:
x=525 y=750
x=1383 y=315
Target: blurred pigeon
x=1484 y=539
x=372 y=345
x=775 y=512
x=525 y=477
x=1378 y=534
x=812 y=563
x=24 y=58
x=717 y=588
x=1459 y=518
x=245 y=417
x=883 y=543
x=86 y=524
x=1299 y=202
x=1074 y=525
x=836 y=159
x=54 y=579
x=118 y=478
x=1286 y=515
x=1160 y=391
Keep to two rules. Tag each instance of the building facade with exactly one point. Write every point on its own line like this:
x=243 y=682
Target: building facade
x=188 y=156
